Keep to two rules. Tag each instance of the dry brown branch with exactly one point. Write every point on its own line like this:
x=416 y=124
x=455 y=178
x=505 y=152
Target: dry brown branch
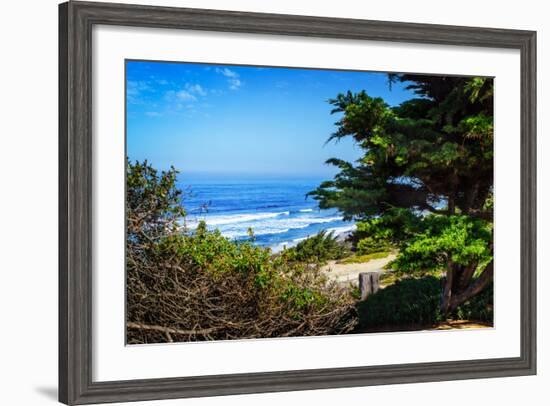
x=182 y=302
x=174 y=297
x=169 y=330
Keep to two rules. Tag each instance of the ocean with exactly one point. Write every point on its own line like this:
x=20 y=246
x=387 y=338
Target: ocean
x=276 y=209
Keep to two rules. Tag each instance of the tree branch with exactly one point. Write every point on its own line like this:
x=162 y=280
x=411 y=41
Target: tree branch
x=475 y=288
x=169 y=330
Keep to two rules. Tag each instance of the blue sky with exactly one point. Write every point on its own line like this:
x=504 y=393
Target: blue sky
x=210 y=120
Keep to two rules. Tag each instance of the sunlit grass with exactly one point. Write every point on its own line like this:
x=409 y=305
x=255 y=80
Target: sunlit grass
x=358 y=259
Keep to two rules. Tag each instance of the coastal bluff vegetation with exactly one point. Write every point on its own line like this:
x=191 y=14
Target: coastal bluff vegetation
x=421 y=197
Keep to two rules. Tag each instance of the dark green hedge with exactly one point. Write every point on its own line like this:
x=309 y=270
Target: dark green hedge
x=413 y=303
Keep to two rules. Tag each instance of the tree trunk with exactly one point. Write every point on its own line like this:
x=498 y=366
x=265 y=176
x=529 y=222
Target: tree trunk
x=474 y=288
x=470 y=197
x=466 y=276
x=460 y=287
x=448 y=289
x=451 y=205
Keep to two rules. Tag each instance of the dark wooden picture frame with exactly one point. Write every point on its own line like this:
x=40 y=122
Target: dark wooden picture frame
x=76 y=20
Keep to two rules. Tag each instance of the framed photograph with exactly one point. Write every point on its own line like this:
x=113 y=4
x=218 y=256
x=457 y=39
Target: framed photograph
x=259 y=202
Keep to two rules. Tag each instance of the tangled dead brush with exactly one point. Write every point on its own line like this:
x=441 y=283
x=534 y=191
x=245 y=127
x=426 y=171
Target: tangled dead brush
x=184 y=286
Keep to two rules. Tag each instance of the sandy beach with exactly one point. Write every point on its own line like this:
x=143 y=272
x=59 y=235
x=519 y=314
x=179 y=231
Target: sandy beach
x=349 y=273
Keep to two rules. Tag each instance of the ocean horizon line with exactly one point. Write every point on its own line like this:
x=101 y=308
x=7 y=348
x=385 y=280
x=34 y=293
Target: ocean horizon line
x=254 y=175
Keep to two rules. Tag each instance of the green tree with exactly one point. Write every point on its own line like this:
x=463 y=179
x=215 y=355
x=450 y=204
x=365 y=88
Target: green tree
x=425 y=180
x=153 y=203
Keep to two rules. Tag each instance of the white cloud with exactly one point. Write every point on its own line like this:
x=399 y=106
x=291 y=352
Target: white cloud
x=190 y=93
x=185 y=95
x=135 y=87
x=234 y=83
x=232 y=78
x=227 y=72
x=195 y=89
x=134 y=90
x=187 y=98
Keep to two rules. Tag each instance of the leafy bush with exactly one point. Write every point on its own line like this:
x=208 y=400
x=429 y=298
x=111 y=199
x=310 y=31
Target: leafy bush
x=319 y=248
x=384 y=233
x=415 y=303
x=369 y=245
x=394 y=225
x=206 y=287
x=461 y=239
x=479 y=307
x=193 y=286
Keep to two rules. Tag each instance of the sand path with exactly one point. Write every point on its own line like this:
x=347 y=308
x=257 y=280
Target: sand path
x=345 y=273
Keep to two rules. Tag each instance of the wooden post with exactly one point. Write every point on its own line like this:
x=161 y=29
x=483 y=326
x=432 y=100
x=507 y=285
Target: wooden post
x=369 y=283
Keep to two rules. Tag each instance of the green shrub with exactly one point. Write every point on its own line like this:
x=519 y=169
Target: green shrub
x=369 y=245
x=462 y=239
x=198 y=285
x=318 y=249
x=411 y=303
x=478 y=308
x=391 y=228
x=215 y=288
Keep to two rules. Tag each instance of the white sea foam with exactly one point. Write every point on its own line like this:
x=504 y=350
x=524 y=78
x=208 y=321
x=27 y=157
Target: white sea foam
x=262 y=223
x=297 y=240
x=235 y=218
x=306 y=210
x=283 y=245
x=271 y=225
x=340 y=230
x=243 y=233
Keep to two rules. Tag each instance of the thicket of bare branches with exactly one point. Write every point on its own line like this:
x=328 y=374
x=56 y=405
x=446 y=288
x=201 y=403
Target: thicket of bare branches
x=198 y=286
x=178 y=301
